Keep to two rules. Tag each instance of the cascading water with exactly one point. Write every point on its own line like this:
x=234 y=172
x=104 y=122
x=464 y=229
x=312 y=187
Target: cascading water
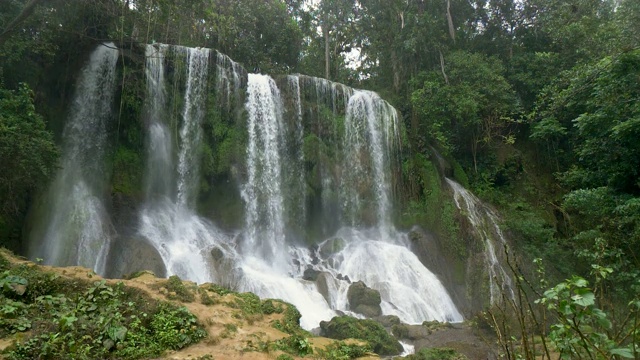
x=358 y=133
x=159 y=177
x=190 y=133
x=485 y=224
x=167 y=221
x=265 y=259
x=262 y=192
x=369 y=124
x=378 y=256
x=73 y=226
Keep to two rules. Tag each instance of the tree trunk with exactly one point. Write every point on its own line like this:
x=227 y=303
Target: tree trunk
x=327 y=58
x=452 y=32
x=395 y=64
x=444 y=74
x=24 y=14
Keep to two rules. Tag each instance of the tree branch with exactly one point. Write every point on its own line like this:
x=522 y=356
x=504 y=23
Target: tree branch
x=24 y=14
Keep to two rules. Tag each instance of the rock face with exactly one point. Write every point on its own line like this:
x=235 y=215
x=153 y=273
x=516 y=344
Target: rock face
x=364 y=300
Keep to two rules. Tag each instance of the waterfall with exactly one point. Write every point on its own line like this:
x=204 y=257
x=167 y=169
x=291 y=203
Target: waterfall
x=228 y=79
x=72 y=226
x=485 y=225
x=372 y=251
x=182 y=238
x=159 y=177
x=263 y=190
x=357 y=136
x=190 y=134
x=370 y=128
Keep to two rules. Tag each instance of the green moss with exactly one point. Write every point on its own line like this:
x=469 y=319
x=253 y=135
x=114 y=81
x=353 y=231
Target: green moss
x=248 y=303
x=434 y=207
x=178 y=290
x=290 y=322
x=205 y=298
x=459 y=174
x=346 y=327
x=270 y=306
x=284 y=357
x=127 y=172
x=220 y=290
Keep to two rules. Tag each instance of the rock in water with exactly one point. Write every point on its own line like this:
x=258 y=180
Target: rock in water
x=311 y=274
x=364 y=300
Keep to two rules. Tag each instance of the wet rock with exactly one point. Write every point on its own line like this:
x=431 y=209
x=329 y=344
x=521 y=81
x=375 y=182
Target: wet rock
x=411 y=332
x=311 y=274
x=387 y=320
x=132 y=255
x=331 y=247
x=322 y=283
x=364 y=300
x=217 y=254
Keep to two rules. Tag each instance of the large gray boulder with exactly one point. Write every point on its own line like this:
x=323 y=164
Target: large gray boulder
x=364 y=300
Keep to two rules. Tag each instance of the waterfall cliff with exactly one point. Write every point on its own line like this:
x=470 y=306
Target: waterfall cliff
x=251 y=181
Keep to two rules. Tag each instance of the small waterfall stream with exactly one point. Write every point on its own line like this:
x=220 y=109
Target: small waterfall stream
x=72 y=225
x=485 y=224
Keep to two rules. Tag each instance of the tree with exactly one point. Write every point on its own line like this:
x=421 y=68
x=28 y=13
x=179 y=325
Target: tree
x=28 y=155
x=467 y=110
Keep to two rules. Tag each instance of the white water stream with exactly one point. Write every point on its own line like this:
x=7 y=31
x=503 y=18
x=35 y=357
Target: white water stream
x=485 y=224
x=72 y=226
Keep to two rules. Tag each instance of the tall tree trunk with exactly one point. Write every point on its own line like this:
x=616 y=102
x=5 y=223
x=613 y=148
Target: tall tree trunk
x=444 y=74
x=395 y=64
x=24 y=14
x=452 y=31
x=327 y=57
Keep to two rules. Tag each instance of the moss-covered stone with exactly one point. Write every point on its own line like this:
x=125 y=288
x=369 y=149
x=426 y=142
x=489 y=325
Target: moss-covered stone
x=364 y=300
x=346 y=327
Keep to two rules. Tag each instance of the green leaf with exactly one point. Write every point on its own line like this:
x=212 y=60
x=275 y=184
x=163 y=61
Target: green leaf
x=117 y=333
x=623 y=352
x=584 y=298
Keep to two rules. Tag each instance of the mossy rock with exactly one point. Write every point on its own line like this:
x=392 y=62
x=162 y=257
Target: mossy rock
x=332 y=246
x=346 y=327
x=364 y=300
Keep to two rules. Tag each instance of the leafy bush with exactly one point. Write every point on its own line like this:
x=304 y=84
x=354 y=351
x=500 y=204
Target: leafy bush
x=75 y=319
x=340 y=350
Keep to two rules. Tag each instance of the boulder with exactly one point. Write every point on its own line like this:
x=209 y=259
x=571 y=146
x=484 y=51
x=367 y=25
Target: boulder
x=346 y=327
x=322 y=284
x=311 y=274
x=217 y=254
x=331 y=246
x=387 y=320
x=364 y=300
